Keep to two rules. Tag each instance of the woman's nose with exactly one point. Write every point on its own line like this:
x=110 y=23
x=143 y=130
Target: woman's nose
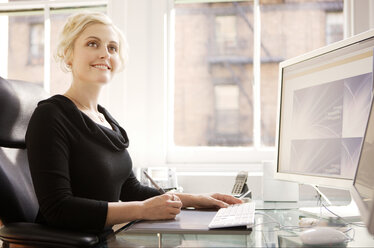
x=104 y=53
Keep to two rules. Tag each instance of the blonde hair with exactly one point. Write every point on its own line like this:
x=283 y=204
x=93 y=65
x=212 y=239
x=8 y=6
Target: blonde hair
x=74 y=26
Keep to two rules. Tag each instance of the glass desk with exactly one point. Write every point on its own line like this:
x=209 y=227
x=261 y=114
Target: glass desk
x=267 y=232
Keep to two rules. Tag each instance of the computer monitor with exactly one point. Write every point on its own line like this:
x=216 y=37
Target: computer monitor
x=362 y=189
x=325 y=98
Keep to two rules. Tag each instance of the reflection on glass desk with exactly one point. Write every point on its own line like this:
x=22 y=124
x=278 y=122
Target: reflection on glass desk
x=273 y=228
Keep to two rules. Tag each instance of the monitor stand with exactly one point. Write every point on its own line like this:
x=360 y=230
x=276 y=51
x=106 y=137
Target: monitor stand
x=349 y=213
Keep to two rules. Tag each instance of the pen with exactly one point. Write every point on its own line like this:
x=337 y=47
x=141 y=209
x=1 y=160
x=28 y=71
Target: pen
x=154 y=183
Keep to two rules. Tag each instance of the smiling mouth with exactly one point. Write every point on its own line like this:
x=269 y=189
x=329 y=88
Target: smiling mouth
x=101 y=67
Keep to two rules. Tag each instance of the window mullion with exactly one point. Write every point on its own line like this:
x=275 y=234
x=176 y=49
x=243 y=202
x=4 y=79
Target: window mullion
x=256 y=75
x=171 y=75
x=39 y=5
x=47 y=49
x=4 y=20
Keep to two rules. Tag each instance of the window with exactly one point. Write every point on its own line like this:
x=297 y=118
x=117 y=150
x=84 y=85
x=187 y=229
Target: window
x=334 y=27
x=26 y=47
x=29 y=37
x=289 y=29
x=36 y=44
x=226 y=34
x=212 y=104
x=226 y=128
x=225 y=70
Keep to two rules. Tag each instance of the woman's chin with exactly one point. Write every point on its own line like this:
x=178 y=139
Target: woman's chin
x=103 y=81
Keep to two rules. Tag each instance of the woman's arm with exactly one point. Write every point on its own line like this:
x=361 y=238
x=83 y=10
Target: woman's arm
x=156 y=208
x=215 y=200
x=133 y=190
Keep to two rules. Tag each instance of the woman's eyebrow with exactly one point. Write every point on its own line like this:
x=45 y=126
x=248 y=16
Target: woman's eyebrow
x=113 y=42
x=97 y=38
x=92 y=37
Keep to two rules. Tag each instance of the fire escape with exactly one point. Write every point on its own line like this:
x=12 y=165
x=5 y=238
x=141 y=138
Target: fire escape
x=235 y=62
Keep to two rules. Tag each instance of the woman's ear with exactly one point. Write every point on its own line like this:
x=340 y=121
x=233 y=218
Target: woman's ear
x=68 y=64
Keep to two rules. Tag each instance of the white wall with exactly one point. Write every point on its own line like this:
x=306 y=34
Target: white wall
x=137 y=97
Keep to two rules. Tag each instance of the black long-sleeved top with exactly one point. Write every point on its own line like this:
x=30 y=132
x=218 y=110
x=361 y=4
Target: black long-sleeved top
x=78 y=166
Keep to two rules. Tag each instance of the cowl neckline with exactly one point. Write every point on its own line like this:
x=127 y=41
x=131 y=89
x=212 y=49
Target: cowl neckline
x=115 y=139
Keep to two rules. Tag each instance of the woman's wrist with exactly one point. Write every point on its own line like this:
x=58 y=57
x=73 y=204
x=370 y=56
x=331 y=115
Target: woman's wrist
x=121 y=212
x=188 y=200
x=138 y=209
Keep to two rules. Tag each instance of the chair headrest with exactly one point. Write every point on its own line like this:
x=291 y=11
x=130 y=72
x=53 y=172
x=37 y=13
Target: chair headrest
x=18 y=100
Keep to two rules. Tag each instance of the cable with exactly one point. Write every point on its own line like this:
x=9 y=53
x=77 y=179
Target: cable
x=270 y=217
x=353 y=235
x=265 y=223
x=300 y=228
x=321 y=205
x=278 y=224
x=343 y=219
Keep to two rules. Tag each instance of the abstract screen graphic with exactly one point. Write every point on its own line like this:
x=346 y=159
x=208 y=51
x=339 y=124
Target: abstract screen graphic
x=329 y=121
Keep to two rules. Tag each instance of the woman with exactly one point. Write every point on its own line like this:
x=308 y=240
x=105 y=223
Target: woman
x=78 y=157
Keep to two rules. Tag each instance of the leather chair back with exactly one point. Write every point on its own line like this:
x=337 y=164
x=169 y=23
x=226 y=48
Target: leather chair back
x=18 y=202
x=18 y=100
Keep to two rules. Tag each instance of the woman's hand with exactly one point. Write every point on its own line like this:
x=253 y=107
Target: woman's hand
x=215 y=200
x=162 y=207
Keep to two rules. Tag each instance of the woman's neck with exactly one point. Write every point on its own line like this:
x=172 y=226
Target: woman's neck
x=86 y=101
x=86 y=98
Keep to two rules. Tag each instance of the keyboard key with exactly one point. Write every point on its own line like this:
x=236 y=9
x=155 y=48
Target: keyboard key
x=234 y=215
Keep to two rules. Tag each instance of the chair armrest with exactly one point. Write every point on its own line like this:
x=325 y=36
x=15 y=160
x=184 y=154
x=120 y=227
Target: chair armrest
x=39 y=235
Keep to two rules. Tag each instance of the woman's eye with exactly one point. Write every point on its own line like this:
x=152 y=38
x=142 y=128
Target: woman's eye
x=113 y=48
x=92 y=44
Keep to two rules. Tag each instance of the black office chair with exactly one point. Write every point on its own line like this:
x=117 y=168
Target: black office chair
x=18 y=203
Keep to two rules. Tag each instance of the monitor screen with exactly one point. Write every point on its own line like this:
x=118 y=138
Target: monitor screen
x=325 y=98
x=363 y=184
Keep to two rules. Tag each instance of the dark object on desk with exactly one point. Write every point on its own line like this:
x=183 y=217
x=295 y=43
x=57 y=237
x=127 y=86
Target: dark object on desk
x=246 y=194
x=19 y=206
x=187 y=222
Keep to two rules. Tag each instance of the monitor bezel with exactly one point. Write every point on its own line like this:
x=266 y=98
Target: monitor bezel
x=330 y=182
x=367 y=215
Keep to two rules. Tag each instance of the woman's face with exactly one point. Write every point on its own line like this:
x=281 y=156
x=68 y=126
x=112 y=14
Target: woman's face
x=95 y=56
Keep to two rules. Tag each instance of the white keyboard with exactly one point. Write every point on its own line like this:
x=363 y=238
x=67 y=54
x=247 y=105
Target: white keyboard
x=234 y=215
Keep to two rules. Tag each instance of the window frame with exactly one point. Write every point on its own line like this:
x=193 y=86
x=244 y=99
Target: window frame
x=215 y=155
